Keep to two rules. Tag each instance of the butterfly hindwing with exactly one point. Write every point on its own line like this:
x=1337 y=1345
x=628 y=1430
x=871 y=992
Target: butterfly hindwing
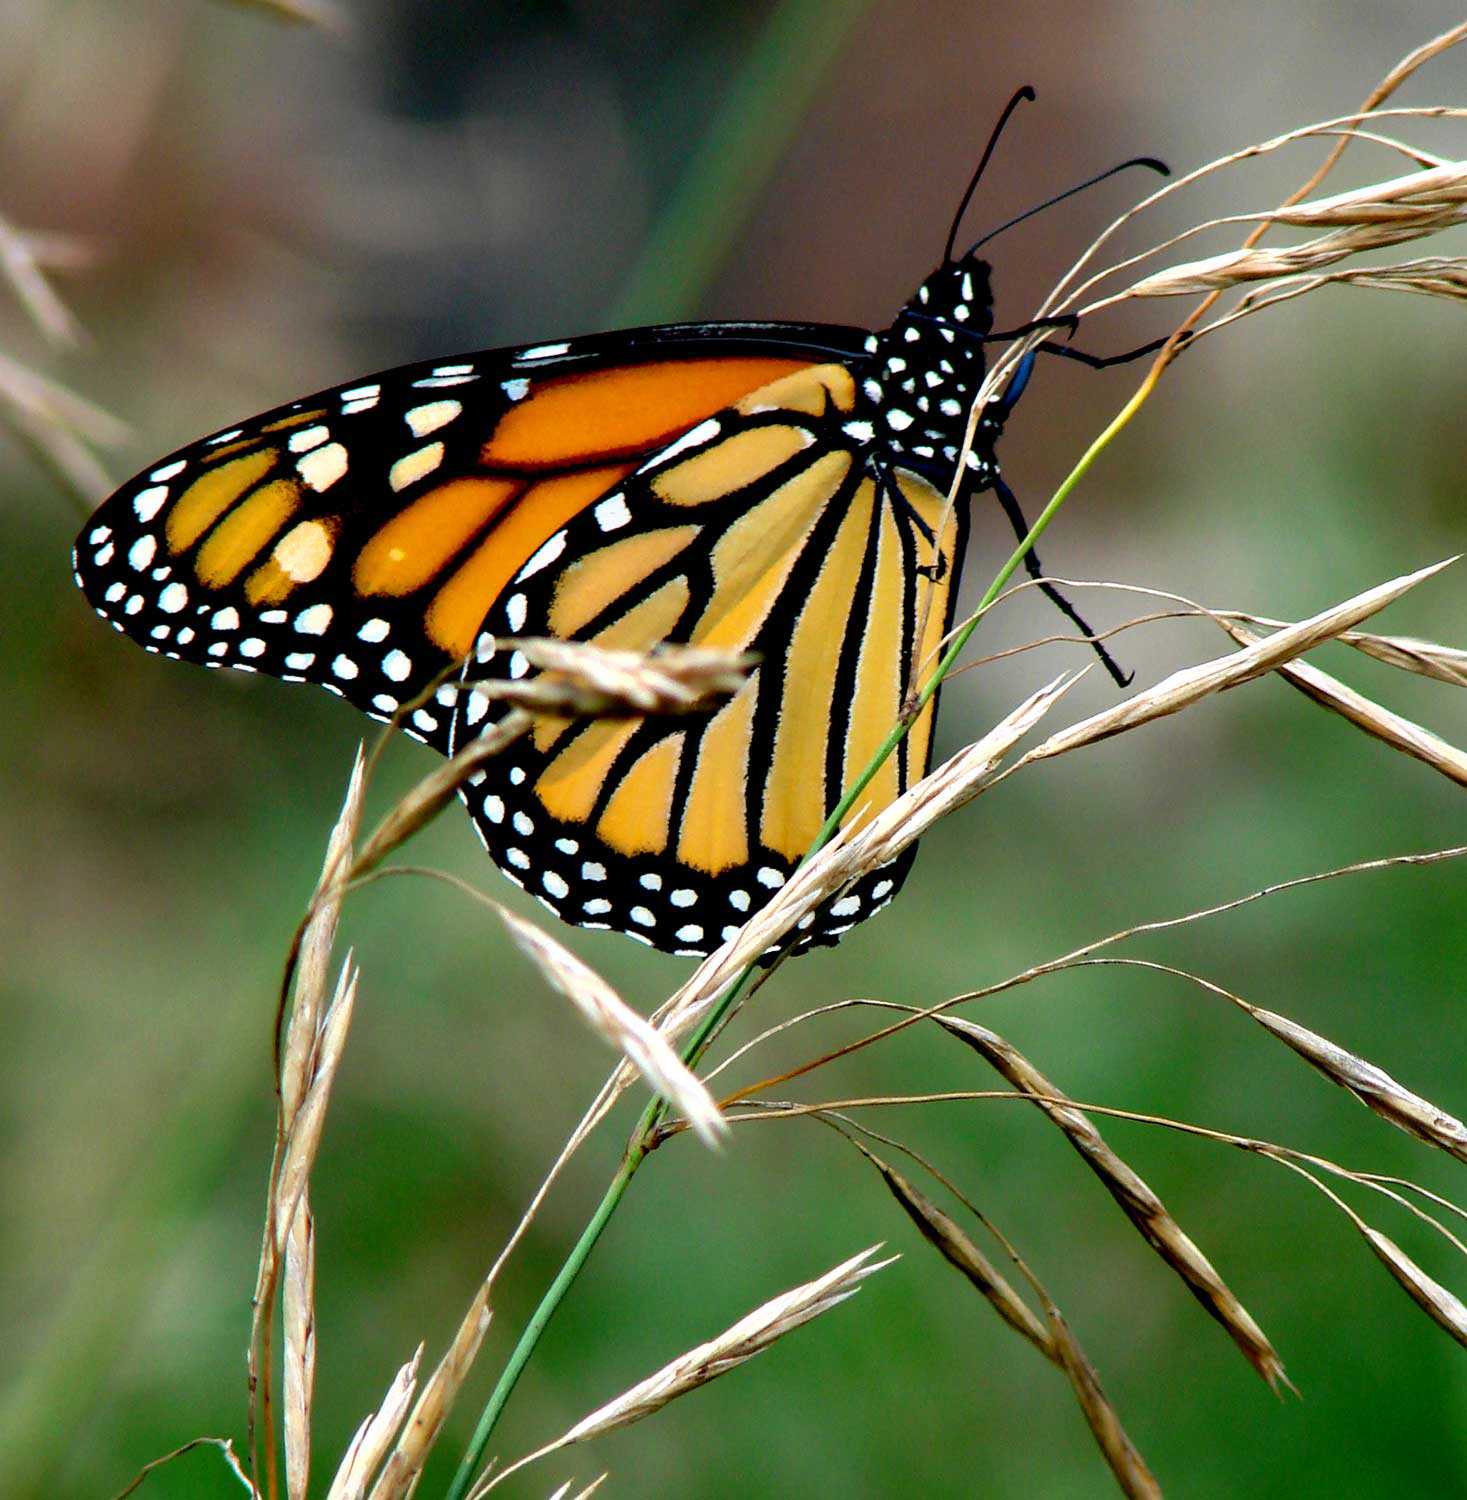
x=759 y=530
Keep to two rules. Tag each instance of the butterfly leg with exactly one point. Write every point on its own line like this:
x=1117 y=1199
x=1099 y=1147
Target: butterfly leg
x=1105 y=361
x=1011 y=509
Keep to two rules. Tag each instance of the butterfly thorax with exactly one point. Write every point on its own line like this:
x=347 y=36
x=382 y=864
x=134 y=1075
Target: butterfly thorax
x=927 y=368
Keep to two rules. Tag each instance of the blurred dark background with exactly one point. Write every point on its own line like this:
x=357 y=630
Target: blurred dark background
x=278 y=208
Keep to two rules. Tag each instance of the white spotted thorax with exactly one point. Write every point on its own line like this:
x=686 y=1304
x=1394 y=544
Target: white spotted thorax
x=338 y=540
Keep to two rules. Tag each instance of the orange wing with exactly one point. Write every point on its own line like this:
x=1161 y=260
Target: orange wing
x=357 y=538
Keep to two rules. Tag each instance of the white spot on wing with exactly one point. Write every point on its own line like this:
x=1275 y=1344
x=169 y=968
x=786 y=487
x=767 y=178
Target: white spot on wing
x=307 y=438
x=431 y=416
x=322 y=467
x=397 y=666
x=543 y=351
x=140 y=554
x=313 y=621
x=168 y=471
x=147 y=503
x=612 y=513
x=415 y=465
x=694 y=437
x=546 y=555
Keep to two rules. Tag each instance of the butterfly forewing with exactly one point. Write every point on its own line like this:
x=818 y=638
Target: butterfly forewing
x=356 y=538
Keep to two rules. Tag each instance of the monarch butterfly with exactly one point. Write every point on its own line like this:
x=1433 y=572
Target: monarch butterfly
x=771 y=487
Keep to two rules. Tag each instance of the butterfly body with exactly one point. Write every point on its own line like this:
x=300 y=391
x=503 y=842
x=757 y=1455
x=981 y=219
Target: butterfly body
x=772 y=488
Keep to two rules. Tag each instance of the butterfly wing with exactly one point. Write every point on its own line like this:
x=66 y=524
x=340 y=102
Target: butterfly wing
x=762 y=529
x=356 y=538
x=709 y=484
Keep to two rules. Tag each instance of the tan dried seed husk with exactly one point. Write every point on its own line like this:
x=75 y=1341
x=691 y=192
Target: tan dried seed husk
x=1371 y=1085
x=941 y=1231
x=1136 y=1199
x=1441 y=1306
x=1124 y=1458
x=1377 y=721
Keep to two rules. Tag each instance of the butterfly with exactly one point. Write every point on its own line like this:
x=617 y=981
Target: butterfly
x=773 y=488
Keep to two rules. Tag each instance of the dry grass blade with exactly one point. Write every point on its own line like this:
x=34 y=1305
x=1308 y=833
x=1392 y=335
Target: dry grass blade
x=1369 y=218
x=751 y=1335
x=370 y=1442
x=436 y=790
x=631 y=1034
x=304 y=1137
x=1388 y=727
x=58 y=425
x=1426 y=658
x=1188 y=686
x=591 y=681
x=298 y=1313
x=1136 y=1199
x=1444 y=1308
x=226 y=1449
x=947 y=1237
x=737 y=1344
x=1124 y=1458
x=849 y=855
x=400 y=1474
x=301 y=1062
x=1372 y=1086
x=564 y=1490
x=1440 y=1305
x=20 y=264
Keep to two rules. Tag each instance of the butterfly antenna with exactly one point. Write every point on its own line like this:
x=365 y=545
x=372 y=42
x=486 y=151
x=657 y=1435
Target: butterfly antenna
x=1080 y=187
x=1020 y=94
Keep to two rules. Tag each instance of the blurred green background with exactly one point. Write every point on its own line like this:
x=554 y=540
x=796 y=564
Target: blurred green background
x=277 y=209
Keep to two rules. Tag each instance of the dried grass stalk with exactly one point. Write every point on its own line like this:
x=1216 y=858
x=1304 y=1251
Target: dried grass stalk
x=58 y=425
x=850 y=854
x=631 y=1034
x=1371 y=1085
x=370 y=1442
x=1440 y=1305
x=226 y=1451
x=289 y=1229
x=1188 y=686
x=1369 y=218
x=436 y=790
x=304 y=1137
x=298 y=1314
x=401 y=1472
x=1388 y=727
x=299 y=1064
x=591 y=681
x=1136 y=1199
x=947 y=1237
x=751 y=1335
x=21 y=266
x=1124 y=1458
x=1426 y=658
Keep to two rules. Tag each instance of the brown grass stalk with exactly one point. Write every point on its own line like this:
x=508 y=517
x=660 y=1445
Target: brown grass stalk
x=750 y=1336
x=1136 y=1199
